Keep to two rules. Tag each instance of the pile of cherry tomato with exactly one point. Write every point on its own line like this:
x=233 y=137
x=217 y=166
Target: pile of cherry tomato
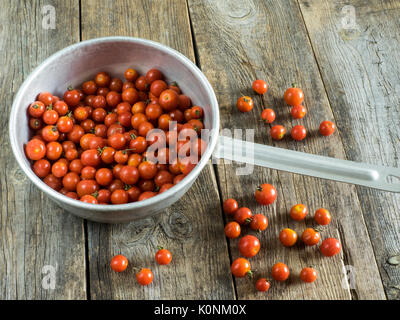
x=144 y=276
x=94 y=145
x=293 y=97
x=249 y=245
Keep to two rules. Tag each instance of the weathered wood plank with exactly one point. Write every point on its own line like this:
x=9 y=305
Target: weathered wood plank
x=357 y=47
x=239 y=41
x=192 y=229
x=34 y=232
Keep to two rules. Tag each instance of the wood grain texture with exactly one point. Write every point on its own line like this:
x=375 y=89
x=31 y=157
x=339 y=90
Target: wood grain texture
x=192 y=228
x=357 y=47
x=34 y=232
x=239 y=41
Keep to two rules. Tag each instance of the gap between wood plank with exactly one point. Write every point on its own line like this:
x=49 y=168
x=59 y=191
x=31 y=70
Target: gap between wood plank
x=353 y=293
x=214 y=166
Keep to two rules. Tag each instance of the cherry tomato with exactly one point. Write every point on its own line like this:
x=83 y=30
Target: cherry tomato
x=104 y=176
x=53 y=150
x=298 y=212
x=262 y=285
x=117 y=141
x=196 y=112
x=131 y=74
x=65 y=124
x=119 y=263
x=243 y=215
x=230 y=206
x=70 y=181
x=59 y=169
x=91 y=158
x=249 y=246
x=50 y=116
x=298 y=132
x=53 y=182
x=260 y=86
x=259 y=222
x=169 y=100
x=232 y=230
x=245 y=104
x=130 y=95
x=89 y=199
x=330 y=247
x=147 y=170
x=146 y=195
x=326 y=128
x=308 y=275
x=241 y=268
x=46 y=97
x=144 y=277
x=265 y=194
x=280 y=271
x=36 y=109
x=293 y=96
x=50 y=133
x=298 y=111
x=42 y=168
x=86 y=187
x=35 y=149
x=119 y=196
x=288 y=237
x=72 y=97
x=153 y=75
x=129 y=175
x=89 y=87
x=268 y=115
x=102 y=79
x=277 y=132
x=310 y=237
x=322 y=217
x=163 y=256
x=157 y=87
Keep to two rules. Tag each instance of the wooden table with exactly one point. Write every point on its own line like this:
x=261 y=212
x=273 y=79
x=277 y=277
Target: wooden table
x=349 y=70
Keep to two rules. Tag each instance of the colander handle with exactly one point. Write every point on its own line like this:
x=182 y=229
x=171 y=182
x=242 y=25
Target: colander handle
x=378 y=177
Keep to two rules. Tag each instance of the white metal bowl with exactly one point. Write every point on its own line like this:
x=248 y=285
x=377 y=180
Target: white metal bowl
x=74 y=65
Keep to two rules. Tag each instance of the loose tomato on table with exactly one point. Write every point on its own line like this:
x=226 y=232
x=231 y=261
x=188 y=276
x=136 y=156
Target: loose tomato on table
x=265 y=194
x=326 y=128
x=230 y=206
x=310 y=237
x=330 y=247
x=308 y=275
x=259 y=222
x=243 y=215
x=293 y=96
x=277 y=132
x=298 y=112
x=280 y=272
x=163 y=256
x=322 y=217
x=249 y=246
x=232 y=230
x=263 y=285
x=298 y=212
x=119 y=263
x=298 y=132
x=268 y=115
x=245 y=104
x=144 y=277
x=288 y=237
x=241 y=268
x=260 y=86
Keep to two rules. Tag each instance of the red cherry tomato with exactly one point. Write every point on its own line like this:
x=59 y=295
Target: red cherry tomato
x=241 y=268
x=249 y=246
x=245 y=104
x=35 y=149
x=326 y=128
x=119 y=263
x=262 y=285
x=243 y=215
x=163 y=256
x=232 y=230
x=330 y=247
x=277 y=132
x=265 y=194
x=144 y=277
x=322 y=217
x=293 y=96
x=280 y=271
x=310 y=237
x=308 y=275
x=260 y=86
x=298 y=132
x=298 y=112
x=268 y=115
x=298 y=212
x=288 y=237
x=259 y=222
x=230 y=206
